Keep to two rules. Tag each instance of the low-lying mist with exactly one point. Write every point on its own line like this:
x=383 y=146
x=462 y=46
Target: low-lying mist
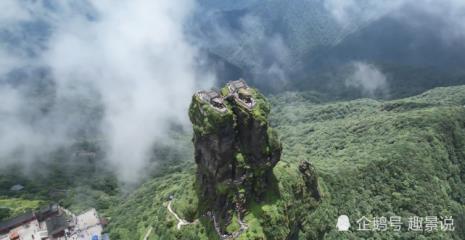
x=129 y=61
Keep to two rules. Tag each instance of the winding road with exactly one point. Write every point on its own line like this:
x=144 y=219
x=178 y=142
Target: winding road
x=181 y=222
x=148 y=233
x=234 y=235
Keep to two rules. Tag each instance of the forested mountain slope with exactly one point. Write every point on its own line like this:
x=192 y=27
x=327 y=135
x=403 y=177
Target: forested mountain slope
x=395 y=158
x=305 y=43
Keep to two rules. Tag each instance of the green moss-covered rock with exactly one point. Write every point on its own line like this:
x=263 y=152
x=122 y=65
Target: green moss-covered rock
x=206 y=119
x=235 y=149
x=404 y=157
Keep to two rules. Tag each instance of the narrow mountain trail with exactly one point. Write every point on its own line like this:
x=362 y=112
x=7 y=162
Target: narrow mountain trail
x=148 y=233
x=231 y=236
x=181 y=222
x=242 y=229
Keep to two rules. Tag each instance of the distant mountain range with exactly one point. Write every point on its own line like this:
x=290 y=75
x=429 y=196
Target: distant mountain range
x=297 y=44
x=304 y=39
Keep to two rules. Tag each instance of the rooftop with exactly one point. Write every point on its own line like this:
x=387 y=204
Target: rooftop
x=213 y=98
x=7 y=225
x=240 y=90
x=56 y=224
x=234 y=86
x=17 y=187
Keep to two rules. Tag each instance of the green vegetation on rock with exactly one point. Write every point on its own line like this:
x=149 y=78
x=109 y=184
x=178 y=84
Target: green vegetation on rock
x=404 y=157
x=235 y=158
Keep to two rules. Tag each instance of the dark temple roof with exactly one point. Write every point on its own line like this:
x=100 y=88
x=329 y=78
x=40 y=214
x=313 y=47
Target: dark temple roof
x=9 y=224
x=56 y=224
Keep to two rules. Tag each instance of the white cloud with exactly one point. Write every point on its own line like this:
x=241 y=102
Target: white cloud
x=7 y=61
x=354 y=13
x=448 y=16
x=249 y=45
x=21 y=140
x=134 y=53
x=368 y=79
x=13 y=11
x=350 y=13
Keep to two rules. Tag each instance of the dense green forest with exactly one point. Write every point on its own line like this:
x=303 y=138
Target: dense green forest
x=361 y=114
x=374 y=158
x=402 y=157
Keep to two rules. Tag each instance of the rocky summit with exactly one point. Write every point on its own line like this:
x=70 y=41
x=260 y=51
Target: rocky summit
x=235 y=149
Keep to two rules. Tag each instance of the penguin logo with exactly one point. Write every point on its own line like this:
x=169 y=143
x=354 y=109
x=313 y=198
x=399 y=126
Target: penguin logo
x=343 y=223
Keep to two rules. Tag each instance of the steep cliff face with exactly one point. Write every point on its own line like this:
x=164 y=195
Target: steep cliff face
x=214 y=141
x=310 y=178
x=235 y=149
